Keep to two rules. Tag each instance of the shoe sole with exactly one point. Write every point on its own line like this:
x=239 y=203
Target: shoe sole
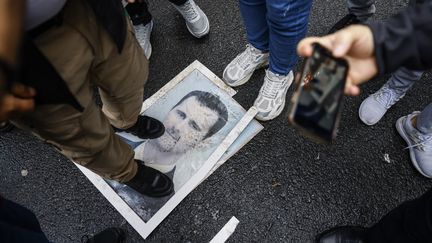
x=401 y=131
x=246 y=79
x=279 y=111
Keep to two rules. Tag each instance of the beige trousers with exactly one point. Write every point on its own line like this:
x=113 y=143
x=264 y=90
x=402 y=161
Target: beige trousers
x=85 y=56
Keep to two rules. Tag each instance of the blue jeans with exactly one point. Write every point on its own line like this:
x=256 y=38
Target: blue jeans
x=276 y=26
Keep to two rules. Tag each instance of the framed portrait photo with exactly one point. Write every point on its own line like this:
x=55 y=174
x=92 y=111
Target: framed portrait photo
x=204 y=127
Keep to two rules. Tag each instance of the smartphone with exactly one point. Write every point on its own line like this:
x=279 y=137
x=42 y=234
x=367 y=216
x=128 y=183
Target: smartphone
x=316 y=104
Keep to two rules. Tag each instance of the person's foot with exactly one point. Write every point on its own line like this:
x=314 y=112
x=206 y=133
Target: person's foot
x=272 y=95
x=347 y=20
x=419 y=144
x=145 y=128
x=151 y=182
x=196 y=21
x=143 y=33
x=373 y=108
x=110 y=235
x=241 y=68
x=343 y=234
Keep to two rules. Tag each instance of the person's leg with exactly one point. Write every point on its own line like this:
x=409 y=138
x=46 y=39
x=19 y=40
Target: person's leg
x=254 y=14
x=121 y=79
x=359 y=12
x=362 y=9
x=409 y=222
x=81 y=49
x=85 y=137
x=403 y=79
x=256 y=56
x=376 y=105
x=287 y=21
x=424 y=120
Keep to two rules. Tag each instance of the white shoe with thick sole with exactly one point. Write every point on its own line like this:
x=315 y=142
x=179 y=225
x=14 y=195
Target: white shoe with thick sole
x=272 y=95
x=143 y=34
x=241 y=68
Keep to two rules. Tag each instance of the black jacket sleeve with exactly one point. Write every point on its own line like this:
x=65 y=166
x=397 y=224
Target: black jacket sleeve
x=405 y=40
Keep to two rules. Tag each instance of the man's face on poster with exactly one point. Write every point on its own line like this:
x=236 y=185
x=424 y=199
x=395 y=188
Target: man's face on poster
x=186 y=125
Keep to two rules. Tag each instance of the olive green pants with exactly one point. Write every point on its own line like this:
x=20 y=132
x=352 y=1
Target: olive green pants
x=85 y=56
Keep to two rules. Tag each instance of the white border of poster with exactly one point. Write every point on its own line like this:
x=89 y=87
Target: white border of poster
x=213 y=162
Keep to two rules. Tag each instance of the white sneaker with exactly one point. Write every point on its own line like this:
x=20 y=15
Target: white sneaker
x=272 y=95
x=196 y=21
x=241 y=68
x=373 y=108
x=143 y=33
x=419 y=144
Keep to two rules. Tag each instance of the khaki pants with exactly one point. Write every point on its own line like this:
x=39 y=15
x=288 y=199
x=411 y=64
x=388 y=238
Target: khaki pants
x=84 y=55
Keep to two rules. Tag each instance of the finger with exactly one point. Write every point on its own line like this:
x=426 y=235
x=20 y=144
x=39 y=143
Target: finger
x=305 y=47
x=343 y=41
x=351 y=89
x=23 y=91
x=22 y=105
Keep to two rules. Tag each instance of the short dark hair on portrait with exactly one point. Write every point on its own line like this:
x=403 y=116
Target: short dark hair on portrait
x=214 y=103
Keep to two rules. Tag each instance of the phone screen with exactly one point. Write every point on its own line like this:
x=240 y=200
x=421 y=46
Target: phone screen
x=320 y=94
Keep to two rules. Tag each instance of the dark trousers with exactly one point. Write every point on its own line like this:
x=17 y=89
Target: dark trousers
x=410 y=222
x=140 y=14
x=18 y=224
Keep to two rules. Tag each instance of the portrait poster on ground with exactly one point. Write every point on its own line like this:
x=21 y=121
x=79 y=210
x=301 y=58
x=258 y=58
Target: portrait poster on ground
x=204 y=127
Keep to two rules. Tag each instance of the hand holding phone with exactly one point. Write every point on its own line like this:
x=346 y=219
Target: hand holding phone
x=316 y=105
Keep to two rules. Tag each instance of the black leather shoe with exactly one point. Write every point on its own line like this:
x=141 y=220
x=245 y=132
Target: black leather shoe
x=151 y=182
x=110 y=235
x=343 y=234
x=349 y=19
x=145 y=128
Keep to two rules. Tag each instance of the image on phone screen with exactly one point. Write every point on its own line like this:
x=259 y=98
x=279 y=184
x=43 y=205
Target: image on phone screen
x=321 y=91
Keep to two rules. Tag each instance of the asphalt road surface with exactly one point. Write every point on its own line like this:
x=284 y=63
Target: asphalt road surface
x=282 y=187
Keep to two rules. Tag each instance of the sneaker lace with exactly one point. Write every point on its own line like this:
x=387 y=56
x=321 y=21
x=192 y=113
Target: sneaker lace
x=423 y=142
x=271 y=88
x=189 y=12
x=245 y=58
x=387 y=96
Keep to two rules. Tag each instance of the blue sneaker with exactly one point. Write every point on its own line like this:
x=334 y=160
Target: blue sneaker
x=419 y=144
